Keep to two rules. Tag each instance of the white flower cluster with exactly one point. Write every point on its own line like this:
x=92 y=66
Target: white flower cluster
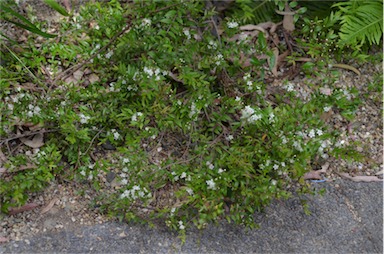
x=83 y=118
x=211 y=184
x=289 y=87
x=232 y=24
x=182 y=176
x=116 y=135
x=109 y=54
x=33 y=110
x=135 y=116
x=135 y=193
x=250 y=86
x=309 y=134
x=112 y=87
x=325 y=144
x=84 y=173
x=181 y=225
x=157 y=73
x=146 y=22
x=247 y=79
x=229 y=138
x=194 y=111
x=249 y=114
x=212 y=45
x=219 y=59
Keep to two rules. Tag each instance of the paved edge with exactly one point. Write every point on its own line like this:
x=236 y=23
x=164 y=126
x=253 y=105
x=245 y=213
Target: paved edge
x=348 y=218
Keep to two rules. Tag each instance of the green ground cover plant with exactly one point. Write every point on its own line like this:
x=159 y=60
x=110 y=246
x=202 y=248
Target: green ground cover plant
x=192 y=133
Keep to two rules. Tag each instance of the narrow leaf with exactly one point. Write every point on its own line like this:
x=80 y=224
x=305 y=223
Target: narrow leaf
x=57 y=7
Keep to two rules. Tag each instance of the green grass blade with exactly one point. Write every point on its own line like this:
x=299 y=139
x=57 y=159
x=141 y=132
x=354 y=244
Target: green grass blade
x=57 y=7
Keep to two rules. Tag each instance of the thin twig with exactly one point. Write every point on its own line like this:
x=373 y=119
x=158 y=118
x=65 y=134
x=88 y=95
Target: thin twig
x=93 y=139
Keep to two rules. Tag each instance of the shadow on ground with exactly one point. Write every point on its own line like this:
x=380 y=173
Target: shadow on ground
x=348 y=218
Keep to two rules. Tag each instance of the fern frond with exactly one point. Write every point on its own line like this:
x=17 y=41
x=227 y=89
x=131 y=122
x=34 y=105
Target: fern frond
x=251 y=11
x=361 y=22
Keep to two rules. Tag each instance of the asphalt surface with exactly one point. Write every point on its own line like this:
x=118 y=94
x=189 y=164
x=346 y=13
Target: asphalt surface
x=348 y=218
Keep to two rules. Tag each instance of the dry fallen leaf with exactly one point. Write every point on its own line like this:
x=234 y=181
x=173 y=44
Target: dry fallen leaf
x=77 y=75
x=93 y=78
x=361 y=178
x=276 y=62
x=49 y=206
x=288 y=22
x=27 y=207
x=316 y=174
x=36 y=142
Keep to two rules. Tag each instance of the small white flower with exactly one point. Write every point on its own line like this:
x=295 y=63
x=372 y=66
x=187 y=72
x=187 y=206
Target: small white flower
x=126 y=160
x=311 y=134
x=237 y=98
x=319 y=132
x=229 y=137
x=36 y=110
x=247 y=112
x=211 y=184
x=289 y=87
x=82 y=172
x=187 y=33
x=124 y=181
x=275 y=167
x=190 y=191
x=125 y=169
x=181 y=226
x=232 y=24
x=146 y=22
x=221 y=170
x=273 y=182
x=148 y=71
x=254 y=118
x=219 y=58
x=212 y=45
x=271 y=117
x=116 y=135
x=109 y=54
x=183 y=175
x=83 y=118
x=327 y=109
